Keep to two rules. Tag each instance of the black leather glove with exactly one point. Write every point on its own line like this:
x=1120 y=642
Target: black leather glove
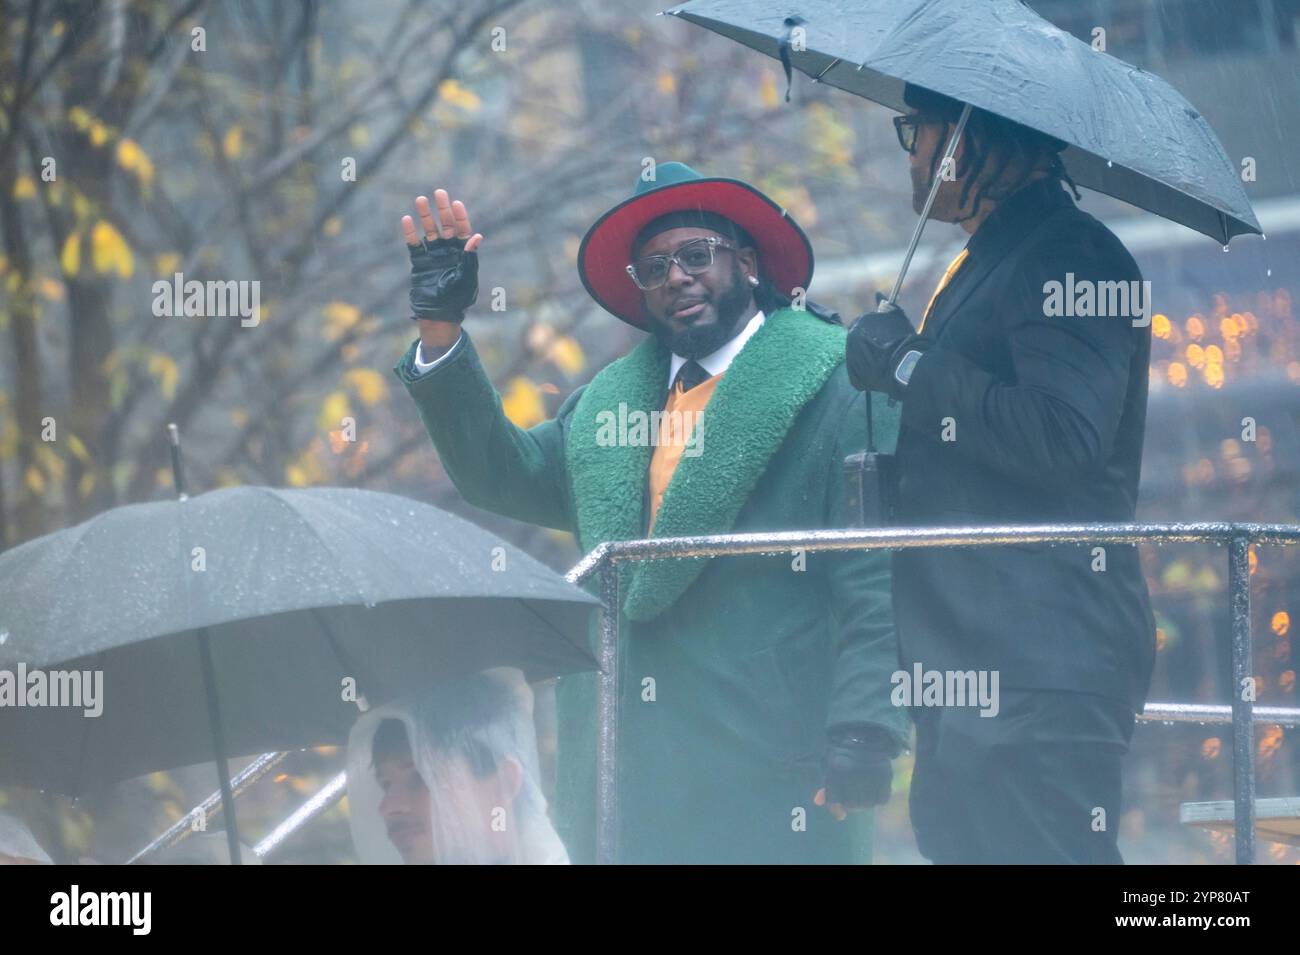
x=876 y=344
x=856 y=767
x=444 y=279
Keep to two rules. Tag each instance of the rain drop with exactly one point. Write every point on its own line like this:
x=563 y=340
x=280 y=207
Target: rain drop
x=4 y=637
x=1268 y=272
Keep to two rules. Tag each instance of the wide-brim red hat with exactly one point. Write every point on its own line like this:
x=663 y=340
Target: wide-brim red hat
x=784 y=252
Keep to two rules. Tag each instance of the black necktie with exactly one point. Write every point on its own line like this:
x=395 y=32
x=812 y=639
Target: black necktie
x=691 y=374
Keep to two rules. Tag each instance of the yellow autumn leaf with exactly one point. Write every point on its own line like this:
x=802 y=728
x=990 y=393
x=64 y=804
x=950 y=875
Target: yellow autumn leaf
x=50 y=461
x=98 y=133
x=163 y=368
x=51 y=289
x=87 y=484
x=24 y=187
x=566 y=354
x=35 y=480
x=666 y=83
x=333 y=410
x=332 y=227
x=767 y=92
x=109 y=250
x=359 y=137
x=305 y=471
x=168 y=263
x=339 y=317
x=452 y=92
x=522 y=403
x=79 y=118
x=232 y=144
x=77 y=448
x=70 y=258
x=133 y=159
x=371 y=387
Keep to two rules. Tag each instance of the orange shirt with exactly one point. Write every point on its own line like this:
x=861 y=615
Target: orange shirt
x=675 y=433
x=947 y=277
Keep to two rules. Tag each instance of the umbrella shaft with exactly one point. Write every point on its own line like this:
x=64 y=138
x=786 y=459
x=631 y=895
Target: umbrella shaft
x=219 y=745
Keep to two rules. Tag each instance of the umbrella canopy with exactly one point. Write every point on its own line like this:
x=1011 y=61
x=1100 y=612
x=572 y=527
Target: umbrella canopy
x=298 y=591
x=1128 y=133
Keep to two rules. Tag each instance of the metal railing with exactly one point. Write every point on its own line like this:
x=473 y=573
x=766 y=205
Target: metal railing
x=603 y=562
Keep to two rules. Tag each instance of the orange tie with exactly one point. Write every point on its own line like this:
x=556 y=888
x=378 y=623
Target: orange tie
x=947 y=277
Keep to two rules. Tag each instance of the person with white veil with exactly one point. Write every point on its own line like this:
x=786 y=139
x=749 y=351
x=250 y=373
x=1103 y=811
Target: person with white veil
x=449 y=776
x=17 y=844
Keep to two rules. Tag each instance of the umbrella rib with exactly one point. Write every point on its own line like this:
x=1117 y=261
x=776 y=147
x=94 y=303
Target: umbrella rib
x=554 y=629
x=346 y=664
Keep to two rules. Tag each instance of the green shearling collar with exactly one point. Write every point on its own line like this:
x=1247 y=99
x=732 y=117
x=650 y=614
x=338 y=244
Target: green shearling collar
x=778 y=371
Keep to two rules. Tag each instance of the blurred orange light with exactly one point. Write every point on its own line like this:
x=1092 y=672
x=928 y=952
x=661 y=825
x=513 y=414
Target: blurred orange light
x=1281 y=623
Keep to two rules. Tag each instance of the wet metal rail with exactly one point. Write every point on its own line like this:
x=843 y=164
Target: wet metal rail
x=603 y=562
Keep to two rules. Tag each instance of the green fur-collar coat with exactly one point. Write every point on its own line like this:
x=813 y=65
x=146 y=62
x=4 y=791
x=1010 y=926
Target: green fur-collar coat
x=732 y=668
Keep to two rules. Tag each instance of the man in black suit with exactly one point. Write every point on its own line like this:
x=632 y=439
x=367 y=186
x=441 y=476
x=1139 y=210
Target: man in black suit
x=1020 y=404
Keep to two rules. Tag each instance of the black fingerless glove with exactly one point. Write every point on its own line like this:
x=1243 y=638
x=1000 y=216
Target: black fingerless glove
x=444 y=279
x=856 y=767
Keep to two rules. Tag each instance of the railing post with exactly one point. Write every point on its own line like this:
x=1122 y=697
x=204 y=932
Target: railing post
x=1243 y=707
x=607 y=719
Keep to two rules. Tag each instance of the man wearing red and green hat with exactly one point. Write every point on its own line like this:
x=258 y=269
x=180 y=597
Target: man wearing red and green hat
x=755 y=700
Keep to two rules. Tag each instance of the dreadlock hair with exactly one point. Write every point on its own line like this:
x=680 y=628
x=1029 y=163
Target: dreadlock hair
x=1020 y=147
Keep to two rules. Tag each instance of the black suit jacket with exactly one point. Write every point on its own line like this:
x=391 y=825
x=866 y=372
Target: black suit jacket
x=1046 y=417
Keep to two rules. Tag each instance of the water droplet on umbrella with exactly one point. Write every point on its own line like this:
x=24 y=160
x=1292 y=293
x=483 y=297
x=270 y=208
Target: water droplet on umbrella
x=1269 y=272
x=1225 y=248
x=1109 y=164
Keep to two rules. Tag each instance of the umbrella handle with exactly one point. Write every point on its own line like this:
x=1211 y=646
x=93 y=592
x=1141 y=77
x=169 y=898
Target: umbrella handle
x=925 y=213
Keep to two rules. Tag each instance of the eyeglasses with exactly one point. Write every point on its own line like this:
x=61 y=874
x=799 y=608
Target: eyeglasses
x=907 y=126
x=693 y=258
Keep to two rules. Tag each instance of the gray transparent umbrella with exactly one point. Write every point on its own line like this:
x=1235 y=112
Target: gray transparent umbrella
x=251 y=618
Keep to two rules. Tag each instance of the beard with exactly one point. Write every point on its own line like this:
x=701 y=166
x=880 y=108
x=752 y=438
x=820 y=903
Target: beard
x=697 y=341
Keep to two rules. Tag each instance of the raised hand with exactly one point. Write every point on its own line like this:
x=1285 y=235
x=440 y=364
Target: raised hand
x=444 y=263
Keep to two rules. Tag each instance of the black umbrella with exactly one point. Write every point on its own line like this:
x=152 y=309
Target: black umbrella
x=294 y=596
x=1127 y=132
